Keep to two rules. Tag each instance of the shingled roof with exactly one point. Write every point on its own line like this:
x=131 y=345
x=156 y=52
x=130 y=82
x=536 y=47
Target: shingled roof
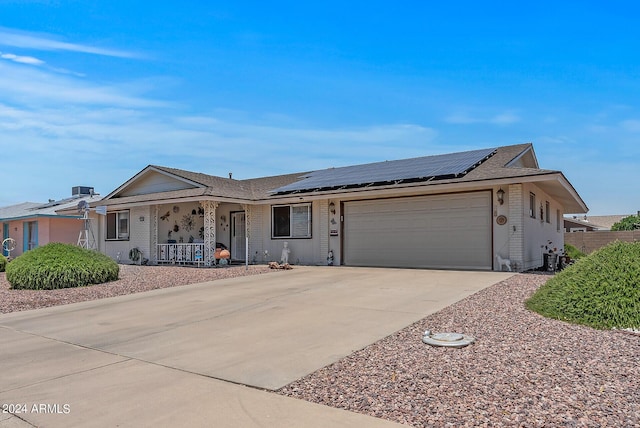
x=498 y=164
x=57 y=208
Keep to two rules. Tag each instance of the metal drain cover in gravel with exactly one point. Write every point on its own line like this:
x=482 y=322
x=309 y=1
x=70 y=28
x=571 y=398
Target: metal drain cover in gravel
x=452 y=340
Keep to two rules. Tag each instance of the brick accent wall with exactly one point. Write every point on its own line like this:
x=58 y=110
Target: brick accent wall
x=516 y=226
x=323 y=207
x=588 y=242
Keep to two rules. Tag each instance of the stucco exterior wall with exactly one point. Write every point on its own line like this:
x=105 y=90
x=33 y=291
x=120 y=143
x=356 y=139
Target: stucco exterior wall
x=44 y=230
x=16 y=233
x=171 y=217
x=255 y=222
x=305 y=251
x=50 y=229
x=539 y=233
x=118 y=250
x=140 y=230
x=139 y=236
x=65 y=230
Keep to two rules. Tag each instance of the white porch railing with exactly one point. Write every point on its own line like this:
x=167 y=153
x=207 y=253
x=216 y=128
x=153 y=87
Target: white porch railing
x=181 y=253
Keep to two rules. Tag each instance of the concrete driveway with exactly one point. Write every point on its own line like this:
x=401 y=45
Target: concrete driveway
x=203 y=354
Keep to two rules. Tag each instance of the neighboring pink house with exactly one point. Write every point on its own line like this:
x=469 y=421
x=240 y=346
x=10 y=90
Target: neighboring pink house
x=33 y=224
x=592 y=223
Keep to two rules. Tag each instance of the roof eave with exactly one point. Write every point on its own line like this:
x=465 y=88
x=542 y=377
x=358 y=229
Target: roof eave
x=557 y=185
x=35 y=216
x=115 y=204
x=144 y=171
x=562 y=190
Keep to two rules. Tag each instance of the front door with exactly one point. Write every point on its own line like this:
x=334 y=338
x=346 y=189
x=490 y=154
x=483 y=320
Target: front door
x=238 y=235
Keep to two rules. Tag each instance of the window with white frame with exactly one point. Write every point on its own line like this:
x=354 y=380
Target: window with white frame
x=291 y=221
x=532 y=205
x=559 y=222
x=118 y=225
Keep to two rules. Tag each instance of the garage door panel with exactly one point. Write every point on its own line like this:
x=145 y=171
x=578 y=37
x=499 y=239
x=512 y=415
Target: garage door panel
x=448 y=231
x=458 y=203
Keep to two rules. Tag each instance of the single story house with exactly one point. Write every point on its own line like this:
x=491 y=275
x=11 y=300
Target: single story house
x=592 y=223
x=32 y=224
x=453 y=211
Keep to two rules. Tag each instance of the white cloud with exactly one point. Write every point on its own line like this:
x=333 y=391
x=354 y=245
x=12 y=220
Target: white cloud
x=100 y=134
x=631 y=125
x=104 y=146
x=30 y=60
x=506 y=118
x=21 y=59
x=597 y=129
x=467 y=118
x=461 y=118
x=40 y=87
x=47 y=42
x=553 y=140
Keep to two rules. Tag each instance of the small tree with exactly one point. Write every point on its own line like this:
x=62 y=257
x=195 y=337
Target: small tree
x=628 y=223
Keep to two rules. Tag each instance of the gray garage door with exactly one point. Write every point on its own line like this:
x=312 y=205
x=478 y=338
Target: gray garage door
x=446 y=231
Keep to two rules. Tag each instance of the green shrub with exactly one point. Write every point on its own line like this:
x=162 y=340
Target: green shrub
x=58 y=265
x=631 y=222
x=3 y=263
x=573 y=252
x=600 y=290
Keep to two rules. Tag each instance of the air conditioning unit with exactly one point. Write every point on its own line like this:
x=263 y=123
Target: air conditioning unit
x=81 y=190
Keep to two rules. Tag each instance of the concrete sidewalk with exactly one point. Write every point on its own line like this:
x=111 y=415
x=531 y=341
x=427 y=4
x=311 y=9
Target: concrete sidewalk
x=202 y=355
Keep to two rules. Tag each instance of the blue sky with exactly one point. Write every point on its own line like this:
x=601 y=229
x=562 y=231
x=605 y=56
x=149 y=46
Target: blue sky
x=91 y=92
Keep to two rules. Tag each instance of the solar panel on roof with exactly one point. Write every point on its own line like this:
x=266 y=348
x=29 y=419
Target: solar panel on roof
x=422 y=168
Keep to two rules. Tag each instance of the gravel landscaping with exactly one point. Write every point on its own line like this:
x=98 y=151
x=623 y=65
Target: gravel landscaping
x=133 y=279
x=523 y=370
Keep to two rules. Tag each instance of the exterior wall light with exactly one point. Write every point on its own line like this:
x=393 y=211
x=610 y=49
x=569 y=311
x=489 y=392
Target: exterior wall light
x=332 y=208
x=500 y=194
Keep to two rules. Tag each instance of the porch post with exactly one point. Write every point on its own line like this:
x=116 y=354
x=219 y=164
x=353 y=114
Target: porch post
x=154 y=235
x=247 y=229
x=209 y=231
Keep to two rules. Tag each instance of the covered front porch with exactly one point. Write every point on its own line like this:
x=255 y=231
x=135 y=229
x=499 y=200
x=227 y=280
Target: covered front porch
x=199 y=233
